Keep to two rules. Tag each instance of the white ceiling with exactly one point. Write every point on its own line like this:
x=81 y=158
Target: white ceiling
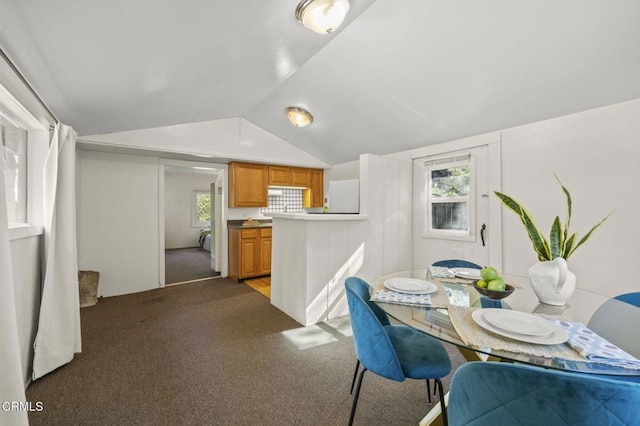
x=397 y=75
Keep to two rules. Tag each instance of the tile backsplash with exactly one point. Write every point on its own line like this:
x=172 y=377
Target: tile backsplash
x=289 y=202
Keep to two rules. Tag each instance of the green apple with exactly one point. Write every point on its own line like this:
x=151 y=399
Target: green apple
x=482 y=283
x=489 y=273
x=497 y=285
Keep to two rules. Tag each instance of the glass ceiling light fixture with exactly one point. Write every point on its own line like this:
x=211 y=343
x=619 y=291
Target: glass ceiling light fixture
x=322 y=16
x=298 y=116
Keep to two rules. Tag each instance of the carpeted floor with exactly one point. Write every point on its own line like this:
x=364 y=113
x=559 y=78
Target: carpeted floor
x=187 y=264
x=215 y=353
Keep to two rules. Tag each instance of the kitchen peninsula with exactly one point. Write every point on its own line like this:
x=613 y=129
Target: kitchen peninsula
x=312 y=256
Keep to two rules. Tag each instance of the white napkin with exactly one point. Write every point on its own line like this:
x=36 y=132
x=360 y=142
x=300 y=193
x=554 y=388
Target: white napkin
x=388 y=296
x=595 y=348
x=441 y=272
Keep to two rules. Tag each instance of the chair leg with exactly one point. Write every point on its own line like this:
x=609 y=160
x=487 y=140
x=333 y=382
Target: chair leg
x=429 y=391
x=443 y=407
x=355 y=373
x=355 y=399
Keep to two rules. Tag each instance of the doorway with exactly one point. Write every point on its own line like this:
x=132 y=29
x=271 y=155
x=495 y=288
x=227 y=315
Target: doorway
x=193 y=241
x=454 y=223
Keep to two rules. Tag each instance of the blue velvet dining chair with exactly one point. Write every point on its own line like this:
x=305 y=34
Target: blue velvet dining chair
x=492 y=393
x=631 y=298
x=456 y=263
x=395 y=352
x=617 y=322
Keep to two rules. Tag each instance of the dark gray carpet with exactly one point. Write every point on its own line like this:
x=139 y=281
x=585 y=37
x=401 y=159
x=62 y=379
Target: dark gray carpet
x=187 y=264
x=215 y=353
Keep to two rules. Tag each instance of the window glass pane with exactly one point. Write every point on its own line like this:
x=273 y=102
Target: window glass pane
x=450 y=216
x=203 y=207
x=450 y=182
x=14 y=141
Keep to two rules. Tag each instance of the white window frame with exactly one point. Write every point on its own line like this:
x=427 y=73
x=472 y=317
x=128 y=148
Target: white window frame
x=194 y=209
x=449 y=234
x=15 y=113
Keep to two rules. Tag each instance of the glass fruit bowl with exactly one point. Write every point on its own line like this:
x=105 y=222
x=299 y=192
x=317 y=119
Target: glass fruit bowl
x=494 y=294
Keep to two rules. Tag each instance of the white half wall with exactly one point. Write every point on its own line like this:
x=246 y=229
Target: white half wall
x=117 y=216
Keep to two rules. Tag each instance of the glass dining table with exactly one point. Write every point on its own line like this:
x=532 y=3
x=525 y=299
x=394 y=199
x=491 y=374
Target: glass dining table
x=614 y=320
x=583 y=306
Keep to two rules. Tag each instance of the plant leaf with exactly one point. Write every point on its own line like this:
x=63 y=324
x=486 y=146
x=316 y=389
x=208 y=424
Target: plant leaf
x=568 y=245
x=586 y=237
x=540 y=244
x=569 y=208
x=556 y=238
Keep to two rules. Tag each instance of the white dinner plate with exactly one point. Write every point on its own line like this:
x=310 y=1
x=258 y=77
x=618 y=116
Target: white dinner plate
x=410 y=285
x=518 y=322
x=470 y=273
x=558 y=336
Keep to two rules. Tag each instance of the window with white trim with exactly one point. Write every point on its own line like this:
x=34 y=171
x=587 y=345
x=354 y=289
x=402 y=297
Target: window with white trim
x=14 y=164
x=201 y=208
x=449 y=207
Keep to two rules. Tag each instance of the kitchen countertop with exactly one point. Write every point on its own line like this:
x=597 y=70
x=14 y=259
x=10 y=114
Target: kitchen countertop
x=319 y=216
x=237 y=224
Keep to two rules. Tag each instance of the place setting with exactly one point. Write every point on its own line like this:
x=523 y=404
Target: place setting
x=406 y=291
x=519 y=326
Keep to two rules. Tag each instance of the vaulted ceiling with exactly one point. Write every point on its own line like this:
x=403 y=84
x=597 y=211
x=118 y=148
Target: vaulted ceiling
x=398 y=74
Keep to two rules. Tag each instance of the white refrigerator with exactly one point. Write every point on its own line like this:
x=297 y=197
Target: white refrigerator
x=344 y=196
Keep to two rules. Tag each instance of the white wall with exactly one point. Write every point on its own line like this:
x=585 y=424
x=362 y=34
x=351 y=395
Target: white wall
x=178 y=205
x=595 y=154
x=117 y=217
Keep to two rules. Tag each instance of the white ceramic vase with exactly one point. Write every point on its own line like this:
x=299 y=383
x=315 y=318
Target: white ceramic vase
x=552 y=281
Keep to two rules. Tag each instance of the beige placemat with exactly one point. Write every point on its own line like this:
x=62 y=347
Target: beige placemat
x=472 y=334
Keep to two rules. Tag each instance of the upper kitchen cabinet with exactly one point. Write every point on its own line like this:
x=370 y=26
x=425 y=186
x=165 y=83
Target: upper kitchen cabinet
x=279 y=175
x=289 y=176
x=248 y=185
x=301 y=177
x=314 y=196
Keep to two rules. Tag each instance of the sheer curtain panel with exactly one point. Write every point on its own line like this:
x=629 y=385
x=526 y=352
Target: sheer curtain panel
x=58 y=336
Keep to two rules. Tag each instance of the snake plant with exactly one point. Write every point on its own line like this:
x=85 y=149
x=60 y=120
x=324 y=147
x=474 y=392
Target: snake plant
x=561 y=242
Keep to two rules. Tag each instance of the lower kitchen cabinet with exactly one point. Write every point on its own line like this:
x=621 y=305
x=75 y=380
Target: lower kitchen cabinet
x=249 y=252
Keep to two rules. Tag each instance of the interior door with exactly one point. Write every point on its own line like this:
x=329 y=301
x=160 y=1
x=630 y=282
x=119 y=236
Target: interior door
x=216 y=225
x=441 y=230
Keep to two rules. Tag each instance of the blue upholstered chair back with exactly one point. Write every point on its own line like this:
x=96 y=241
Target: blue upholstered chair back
x=631 y=298
x=607 y=321
x=373 y=346
x=456 y=263
x=490 y=393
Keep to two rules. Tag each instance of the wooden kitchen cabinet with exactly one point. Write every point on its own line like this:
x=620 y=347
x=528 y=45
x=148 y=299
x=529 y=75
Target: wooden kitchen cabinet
x=265 y=251
x=314 y=196
x=279 y=175
x=300 y=177
x=249 y=252
x=248 y=185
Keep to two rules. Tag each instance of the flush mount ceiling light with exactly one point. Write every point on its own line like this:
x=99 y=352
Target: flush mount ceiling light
x=299 y=117
x=322 y=16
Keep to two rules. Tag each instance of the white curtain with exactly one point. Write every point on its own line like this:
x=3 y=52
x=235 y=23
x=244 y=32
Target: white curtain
x=11 y=380
x=58 y=336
